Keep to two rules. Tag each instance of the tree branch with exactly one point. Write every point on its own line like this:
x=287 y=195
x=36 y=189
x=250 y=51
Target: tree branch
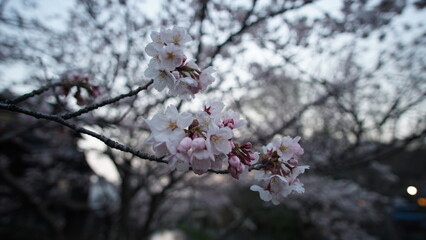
x=109 y=142
x=246 y=25
x=34 y=93
x=106 y=102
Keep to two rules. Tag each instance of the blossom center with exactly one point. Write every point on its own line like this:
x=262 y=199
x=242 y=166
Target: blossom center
x=176 y=40
x=163 y=74
x=172 y=125
x=283 y=148
x=170 y=55
x=215 y=138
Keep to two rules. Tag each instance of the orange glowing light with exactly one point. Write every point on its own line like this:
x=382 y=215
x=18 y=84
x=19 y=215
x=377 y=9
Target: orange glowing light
x=421 y=201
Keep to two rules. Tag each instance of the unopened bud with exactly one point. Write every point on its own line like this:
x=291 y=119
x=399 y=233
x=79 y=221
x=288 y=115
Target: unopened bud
x=198 y=144
x=293 y=161
x=185 y=144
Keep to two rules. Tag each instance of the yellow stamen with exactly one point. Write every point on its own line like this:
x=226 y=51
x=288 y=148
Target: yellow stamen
x=215 y=138
x=283 y=148
x=163 y=74
x=170 y=55
x=172 y=125
x=176 y=40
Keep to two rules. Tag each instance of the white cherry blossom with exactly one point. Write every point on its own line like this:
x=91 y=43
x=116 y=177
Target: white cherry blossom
x=171 y=57
x=161 y=76
x=287 y=147
x=218 y=139
x=170 y=125
x=169 y=63
x=176 y=36
x=204 y=141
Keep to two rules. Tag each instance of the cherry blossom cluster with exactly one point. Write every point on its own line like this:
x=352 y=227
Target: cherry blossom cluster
x=80 y=81
x=281 y=170
x=169 y=67
x=202 y=141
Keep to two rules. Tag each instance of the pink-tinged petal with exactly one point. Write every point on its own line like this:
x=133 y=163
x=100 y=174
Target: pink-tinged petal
x=160 y=149
x=297 y=171
x=200 y=166
x=223 y=146
x=185 y=144
x=225 y=133
x=159 y=85
x=171 y=146
x=152 y=49
x=198 y=144
x=218 y=161
x=151 y=71
x=171 y=57
x=172 y=112
x=184 y=120
x=158 y=123
x=264 y=195
x=296 y=139
x=156 y=37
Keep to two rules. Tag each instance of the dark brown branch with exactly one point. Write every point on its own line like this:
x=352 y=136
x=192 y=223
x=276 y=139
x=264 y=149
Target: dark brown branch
x=109 y=142
x=106 y=102
x=34 y=93
x=380 y=153
x=203 y=14
x=257 y=166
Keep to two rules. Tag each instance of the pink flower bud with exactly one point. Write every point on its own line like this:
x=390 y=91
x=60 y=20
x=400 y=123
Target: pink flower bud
x=229 y=123
x=293 y=161
x=247 y=145
x=234 y=161
x=235 y=166
x=184 y=145
x=198 y=144
x=94 y=91
x=176 y=74
x=252 y=156
x=184 y=58
x=232 y=144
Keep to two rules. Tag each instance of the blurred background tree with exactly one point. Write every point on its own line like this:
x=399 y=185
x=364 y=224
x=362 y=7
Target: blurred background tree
x=347 y=76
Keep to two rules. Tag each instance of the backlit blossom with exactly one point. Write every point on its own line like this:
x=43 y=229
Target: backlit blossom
x=176 y=36
x=170 y=68
x=161 y=76
x=287 y=147
x=218 y=138
x=171 y=57
x=169 y=125
x=280 y=175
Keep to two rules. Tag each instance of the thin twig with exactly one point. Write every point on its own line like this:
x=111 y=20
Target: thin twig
x=246 y=25
x=34 y=93
x=106 y=102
